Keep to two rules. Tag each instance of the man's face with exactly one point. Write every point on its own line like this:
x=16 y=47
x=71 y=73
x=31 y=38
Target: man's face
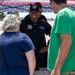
x=34 y=15
x=54 y=6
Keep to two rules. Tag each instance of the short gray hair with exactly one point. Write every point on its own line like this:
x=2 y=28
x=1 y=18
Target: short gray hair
x=11 y=22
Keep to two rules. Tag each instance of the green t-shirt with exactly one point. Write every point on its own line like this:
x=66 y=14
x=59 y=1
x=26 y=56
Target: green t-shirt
x=64 y=24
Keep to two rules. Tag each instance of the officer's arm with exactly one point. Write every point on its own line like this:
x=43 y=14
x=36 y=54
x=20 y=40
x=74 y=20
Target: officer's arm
x=48 y=29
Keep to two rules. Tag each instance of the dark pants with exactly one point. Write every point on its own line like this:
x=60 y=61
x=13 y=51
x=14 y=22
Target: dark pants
x=41 y=60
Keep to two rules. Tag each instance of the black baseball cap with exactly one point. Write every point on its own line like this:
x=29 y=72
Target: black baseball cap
x=34 y=7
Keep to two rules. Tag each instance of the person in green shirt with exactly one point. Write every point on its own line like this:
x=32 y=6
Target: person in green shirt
x=61 y=50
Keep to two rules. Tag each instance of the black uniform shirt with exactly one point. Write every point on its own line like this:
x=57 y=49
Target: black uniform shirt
x=36 y=31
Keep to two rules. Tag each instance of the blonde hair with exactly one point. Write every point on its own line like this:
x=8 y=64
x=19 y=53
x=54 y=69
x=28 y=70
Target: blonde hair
x=11 y=22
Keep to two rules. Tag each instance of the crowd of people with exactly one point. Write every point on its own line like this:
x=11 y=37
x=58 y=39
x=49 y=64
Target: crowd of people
x=23 y=47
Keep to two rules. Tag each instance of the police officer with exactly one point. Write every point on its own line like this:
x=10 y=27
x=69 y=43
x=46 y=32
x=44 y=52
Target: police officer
x=36 y=30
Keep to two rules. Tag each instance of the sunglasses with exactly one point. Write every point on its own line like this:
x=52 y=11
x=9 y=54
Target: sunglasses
x=50 y=3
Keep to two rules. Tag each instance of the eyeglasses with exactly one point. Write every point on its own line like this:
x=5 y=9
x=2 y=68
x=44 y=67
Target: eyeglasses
x=50 y=3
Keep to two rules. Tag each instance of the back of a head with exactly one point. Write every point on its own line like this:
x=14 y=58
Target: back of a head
x=59 y=1
x=11 y=21
x=39 y=4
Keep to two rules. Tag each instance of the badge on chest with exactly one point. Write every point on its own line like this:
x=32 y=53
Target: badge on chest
x=29 y=27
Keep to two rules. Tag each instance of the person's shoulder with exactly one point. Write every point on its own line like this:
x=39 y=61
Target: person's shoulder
x=61 y=13
x=64 y=11
x=43 y=16
x=23 y=35
x=43 y=22
x=26 y=17
x=25 y=20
